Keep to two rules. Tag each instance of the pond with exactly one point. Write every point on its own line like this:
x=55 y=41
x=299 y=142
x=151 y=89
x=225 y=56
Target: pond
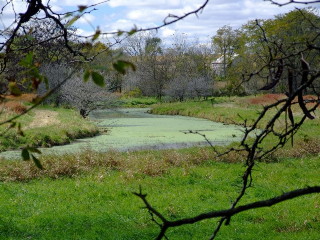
x=136 y=129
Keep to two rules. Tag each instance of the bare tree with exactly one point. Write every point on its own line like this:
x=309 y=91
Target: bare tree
x=85 y=96
x=178 y=88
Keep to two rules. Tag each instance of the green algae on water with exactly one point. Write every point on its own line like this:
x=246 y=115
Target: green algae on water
x=136 y=129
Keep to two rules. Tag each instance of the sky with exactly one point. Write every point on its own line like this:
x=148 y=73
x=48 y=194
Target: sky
x=113 y=15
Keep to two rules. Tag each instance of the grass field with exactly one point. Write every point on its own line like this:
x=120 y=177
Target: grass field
x=99 y=204
x=89 y=196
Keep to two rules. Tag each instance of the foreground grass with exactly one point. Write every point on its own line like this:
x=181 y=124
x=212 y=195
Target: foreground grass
x=96 y=202
x=67 y=126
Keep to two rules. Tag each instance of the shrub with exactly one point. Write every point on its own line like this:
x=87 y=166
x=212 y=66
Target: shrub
x=136 y=92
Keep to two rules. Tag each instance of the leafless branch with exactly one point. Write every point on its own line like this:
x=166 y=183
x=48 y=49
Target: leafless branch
x=280 y=4
x=169 y=20
x=226 y=213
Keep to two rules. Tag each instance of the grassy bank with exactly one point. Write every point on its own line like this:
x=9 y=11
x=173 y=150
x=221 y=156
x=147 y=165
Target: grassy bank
x=138 y=102
x=219 y=110
x=96 y=202
x=44 y=126
x=235 y=110
x=231 y=110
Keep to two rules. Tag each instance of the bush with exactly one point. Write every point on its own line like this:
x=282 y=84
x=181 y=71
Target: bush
x=136 y=92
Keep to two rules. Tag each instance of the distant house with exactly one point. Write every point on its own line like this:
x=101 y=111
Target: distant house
x=219 y=65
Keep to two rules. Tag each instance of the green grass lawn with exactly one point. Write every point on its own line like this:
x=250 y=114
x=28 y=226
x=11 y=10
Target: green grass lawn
x=100 y=205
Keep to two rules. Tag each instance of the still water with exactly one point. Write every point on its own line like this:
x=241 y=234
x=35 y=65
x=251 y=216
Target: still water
x=136 y=129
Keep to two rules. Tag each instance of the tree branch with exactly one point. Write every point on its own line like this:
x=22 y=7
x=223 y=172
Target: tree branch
x=227 y=213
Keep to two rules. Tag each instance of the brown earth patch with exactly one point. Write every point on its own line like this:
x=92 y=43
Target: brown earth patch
x=226 y=105
x=266 y=99
x=44 y=118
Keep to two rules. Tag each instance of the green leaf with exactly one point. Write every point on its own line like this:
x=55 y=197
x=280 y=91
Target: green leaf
x=20 y=131
x=34 y=150
x=37 y=162
x=98 y=79
x=121 y=66
x=119 y=33
x=96 y=35
x=72 y=21
x=67 y=15
x=14 y=89
x=132 y=31
x=25 y=154
x=29 y=37
x=86 y=75
x=27 y=60
x=45 y=80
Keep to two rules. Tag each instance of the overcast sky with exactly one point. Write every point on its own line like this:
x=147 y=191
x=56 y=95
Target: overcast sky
x=124 y=14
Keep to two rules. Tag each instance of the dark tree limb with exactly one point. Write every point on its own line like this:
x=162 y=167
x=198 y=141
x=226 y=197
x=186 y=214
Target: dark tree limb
x=227 y=213
x=280 y=4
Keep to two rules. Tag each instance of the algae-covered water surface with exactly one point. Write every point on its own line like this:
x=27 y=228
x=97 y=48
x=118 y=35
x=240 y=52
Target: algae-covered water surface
x=135 y=129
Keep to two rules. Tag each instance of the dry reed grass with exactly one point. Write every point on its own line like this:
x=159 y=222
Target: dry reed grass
x=135 y=164
x=13 y=106
x=272 y=98
x=130 y=164
x=265 y=99
x=301 y=148
x=26 y=97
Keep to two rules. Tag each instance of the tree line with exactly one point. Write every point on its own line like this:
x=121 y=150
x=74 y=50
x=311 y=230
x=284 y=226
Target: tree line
x=236 y=62
x=233 y=63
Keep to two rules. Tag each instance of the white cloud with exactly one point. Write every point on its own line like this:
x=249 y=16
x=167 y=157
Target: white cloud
x=146 y=3
x=77 y=3
x=146 y=13
x=8 y=14
x=120 y=24
x=125 y=14
x=84 y=33
x=167 y=32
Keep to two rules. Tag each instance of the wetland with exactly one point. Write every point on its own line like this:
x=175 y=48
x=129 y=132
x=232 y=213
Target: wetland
x=128 y=129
